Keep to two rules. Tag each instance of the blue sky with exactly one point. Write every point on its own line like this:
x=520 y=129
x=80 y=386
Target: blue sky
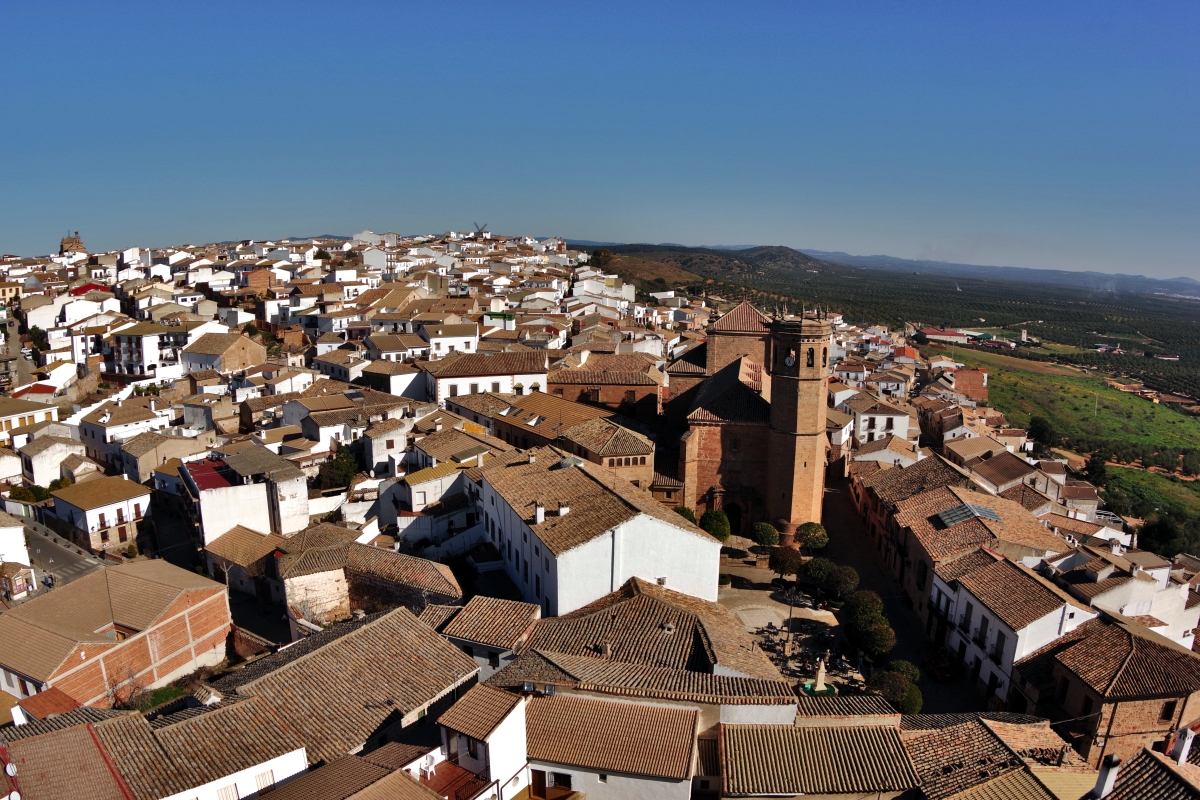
x=1042 y=134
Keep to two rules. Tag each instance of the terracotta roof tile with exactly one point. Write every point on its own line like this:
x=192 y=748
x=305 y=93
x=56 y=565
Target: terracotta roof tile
x=492 y=621
x=785 y=760
x=611 y=736
x=336 y=695
x=744 y=318
x=479 y=711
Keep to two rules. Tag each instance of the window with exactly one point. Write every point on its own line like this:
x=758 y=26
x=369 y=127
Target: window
x=474 y=388
x=811 y=357
x=454 y=390
x=1062 y=689
x=922 y=573
x=264 y=780
x=537 y=585
x=228 y=792
x=494 y=660
x=602 y=778
x=631 y=396
x=122 y=535
x=561 y=780
x=466 y=648
x=1086 y=708
x=1168 y=711
x=495 y=386
x=137 y=510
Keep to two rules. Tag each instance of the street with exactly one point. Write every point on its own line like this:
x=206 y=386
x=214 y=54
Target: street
x=54 y=555
x=850 y=544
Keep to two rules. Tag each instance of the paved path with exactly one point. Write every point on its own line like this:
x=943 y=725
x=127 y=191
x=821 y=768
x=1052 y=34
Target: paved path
x=850 y=544
x=54 y=555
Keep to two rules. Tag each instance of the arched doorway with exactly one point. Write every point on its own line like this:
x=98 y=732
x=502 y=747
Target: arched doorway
x=734 y=512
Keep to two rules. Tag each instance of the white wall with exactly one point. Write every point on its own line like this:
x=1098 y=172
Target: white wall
x=225 y=508
x=283 y=769
x=12 y=545
x=618 y=786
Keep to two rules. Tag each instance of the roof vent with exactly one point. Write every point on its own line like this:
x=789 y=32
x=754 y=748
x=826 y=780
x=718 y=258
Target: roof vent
x=527 y=686
x=532 y=458
x=605 y=650
x=668 y=627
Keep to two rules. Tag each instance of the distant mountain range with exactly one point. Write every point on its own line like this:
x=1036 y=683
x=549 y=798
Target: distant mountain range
x=1095 y=281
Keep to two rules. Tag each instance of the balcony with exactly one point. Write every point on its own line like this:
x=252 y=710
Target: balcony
x=980 y=638
x=964 y=624
x=997 y=656
x=452 y=781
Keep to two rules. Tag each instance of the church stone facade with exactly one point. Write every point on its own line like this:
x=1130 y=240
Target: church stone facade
x=755 y=444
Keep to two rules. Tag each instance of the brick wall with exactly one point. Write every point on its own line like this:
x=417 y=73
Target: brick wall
x=730 y=456
x=181 y=639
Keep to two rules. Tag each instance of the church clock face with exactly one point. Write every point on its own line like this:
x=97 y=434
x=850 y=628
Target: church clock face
x=791 y=358
x=788 y=363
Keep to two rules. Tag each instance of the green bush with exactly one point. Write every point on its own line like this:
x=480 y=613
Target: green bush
x=898 y=690
x=765 y=534
x=843 y=581
x=340 y=471
x=864 y=602
x=686 y=513
x=785 y=561
x=716 y=523
x=725 y=579
x=907 y=669
x=818 y=571
x=813 y=536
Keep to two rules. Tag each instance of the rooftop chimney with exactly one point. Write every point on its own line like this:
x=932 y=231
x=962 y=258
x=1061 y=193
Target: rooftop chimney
x=563 y=509
x=437 y=426
x=479 y=460
x=532 y=458
x=539 y=514
x=1107 y=778
x=605 y=650
x=1183 y=745
x=1116 y=547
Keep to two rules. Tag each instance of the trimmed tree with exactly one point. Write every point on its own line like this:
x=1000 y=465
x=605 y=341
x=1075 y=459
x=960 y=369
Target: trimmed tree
x=765 y=534
x=686 y=513
x=842 y=581
x=818 y=571
x=715 y=523
x=785 y=561
x=907 y=669
x=812 y=535
x=895 y=687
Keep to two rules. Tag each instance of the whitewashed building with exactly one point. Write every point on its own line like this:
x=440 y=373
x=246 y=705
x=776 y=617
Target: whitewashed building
x=571 y=532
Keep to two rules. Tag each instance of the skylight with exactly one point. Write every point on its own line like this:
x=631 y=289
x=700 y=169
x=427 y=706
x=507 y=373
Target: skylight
x=953 y=516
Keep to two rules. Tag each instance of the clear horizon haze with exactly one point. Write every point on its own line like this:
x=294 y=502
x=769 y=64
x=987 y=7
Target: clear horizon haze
x=1056 y=136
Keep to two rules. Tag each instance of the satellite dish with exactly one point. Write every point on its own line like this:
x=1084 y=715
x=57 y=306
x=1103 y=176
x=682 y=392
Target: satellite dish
x=10 y=769
x=14 y=796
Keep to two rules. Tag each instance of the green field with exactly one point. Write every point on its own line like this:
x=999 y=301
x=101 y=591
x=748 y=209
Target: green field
x=1182 y=498
x=1080 y=407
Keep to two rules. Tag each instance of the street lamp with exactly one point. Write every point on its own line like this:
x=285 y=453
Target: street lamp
x=792 y=597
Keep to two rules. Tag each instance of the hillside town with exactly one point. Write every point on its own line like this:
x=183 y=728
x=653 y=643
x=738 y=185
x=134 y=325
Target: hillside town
x=465 y=515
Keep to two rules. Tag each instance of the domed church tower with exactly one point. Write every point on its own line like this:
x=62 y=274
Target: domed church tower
x=799 y=387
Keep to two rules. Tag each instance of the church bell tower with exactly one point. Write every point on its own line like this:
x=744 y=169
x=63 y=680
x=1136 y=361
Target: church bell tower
x=799 y=387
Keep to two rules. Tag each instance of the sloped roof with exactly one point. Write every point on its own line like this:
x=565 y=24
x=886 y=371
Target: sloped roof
x=787 y=760
x=643 y=623
x=338 y=694
x=611 y=737
x=479 y=711
x=493 y=621
x=245 y=547
x=744 y=318
x=648 y=681
x=726 y=397
x=598 y=500
x=35 y=637
x=1118 y=659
